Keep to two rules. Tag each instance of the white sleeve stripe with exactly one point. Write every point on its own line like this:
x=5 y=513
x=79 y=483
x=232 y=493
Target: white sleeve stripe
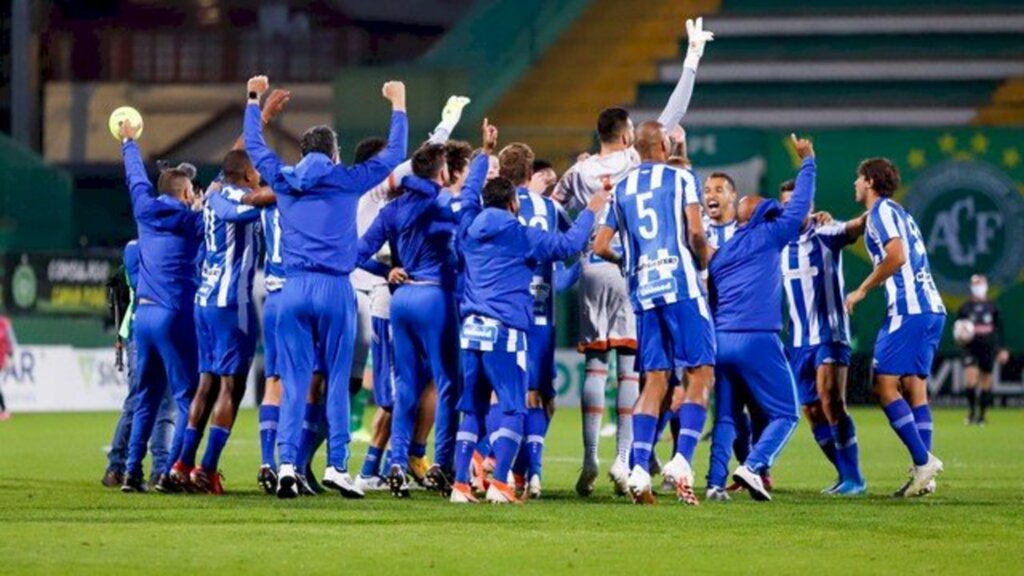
x=888 y=217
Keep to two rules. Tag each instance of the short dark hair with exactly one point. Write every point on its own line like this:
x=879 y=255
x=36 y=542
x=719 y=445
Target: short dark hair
x=428 y=161
x=541 y=164
x=320 y=139
x=498 y=193
x=458 y=153
x=884 y=176
x=172 y=181
x=611 y=123
x=516 y=162
x=236 y=165
x=787 y=186
x=724 y=176
x=367 y=149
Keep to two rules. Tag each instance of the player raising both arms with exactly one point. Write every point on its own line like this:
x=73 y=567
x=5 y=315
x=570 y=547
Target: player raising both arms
x=907 y=342
x=657 y=214
x=607 y=322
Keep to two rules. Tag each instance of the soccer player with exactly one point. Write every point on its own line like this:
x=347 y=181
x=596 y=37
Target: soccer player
x=983 y=350
x=170 y=233
x=317 y=200
x=225 y=322
x=720 y=209
x=907 y=342
x=819 y=332
x=423 y=314
x=497 y=308
x=657 y=214
x=745 y=285
x=607 y=322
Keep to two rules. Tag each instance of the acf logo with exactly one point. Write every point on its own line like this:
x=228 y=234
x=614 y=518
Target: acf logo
x=971 y=216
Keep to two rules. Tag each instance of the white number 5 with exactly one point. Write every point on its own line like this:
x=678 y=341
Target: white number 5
x=648 y=232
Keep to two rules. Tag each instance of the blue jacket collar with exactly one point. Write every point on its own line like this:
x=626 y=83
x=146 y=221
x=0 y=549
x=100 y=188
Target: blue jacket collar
x=310 y=170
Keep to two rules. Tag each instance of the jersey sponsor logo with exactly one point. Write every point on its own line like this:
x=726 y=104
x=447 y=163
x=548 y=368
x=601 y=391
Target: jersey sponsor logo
x=971 y=217
x=657 y=288
x=480 y=333
x=667 y=263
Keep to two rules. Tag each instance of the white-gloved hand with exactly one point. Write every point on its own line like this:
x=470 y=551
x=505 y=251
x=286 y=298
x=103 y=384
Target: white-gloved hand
x=452 y=112
x=698 y=37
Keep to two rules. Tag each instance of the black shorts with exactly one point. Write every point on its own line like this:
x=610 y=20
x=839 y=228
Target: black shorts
x=980 y=354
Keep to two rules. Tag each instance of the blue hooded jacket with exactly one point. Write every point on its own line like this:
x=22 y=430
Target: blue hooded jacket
x=421 y=230
x=745 y=274
x=500 y=254
x=170 y=236
x=317 y=199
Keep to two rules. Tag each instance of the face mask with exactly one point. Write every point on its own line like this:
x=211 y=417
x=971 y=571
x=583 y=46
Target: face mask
x=979 y=290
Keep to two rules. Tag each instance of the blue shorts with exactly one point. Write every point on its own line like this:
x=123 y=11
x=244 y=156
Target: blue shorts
x=906 y=345
x=540 y=360
x=677 y=335
x=493 y=359
x=227 y=339
x=384 y=376
x=806 y=360
x=270 y=312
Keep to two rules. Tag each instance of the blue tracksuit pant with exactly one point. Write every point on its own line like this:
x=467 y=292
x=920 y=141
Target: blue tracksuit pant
x=317 y=315
x=426 y=345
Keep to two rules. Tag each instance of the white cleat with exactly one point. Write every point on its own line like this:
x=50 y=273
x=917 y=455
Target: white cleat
x=342 y=482
x=287 y=483
x=639 y=486
x=533 y=488
x=462 y=494
x=678 y=470
x=930 y=488
x=588 y=476
x=921 y=476
x=501 y=493
x=371 y=483
x=717 y=494
x=619 y=475
x=752 y=482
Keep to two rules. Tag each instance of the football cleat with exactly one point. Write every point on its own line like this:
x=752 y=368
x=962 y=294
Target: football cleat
x=398 y=482
x=501 y=493
x=619 y=475
x=206 y=482
x=717 y=494
x=371 y=483
x=181 y=476
x=341 y=481
x=850 y=488
x=418 y=468
x=533 y=488
x=438 y=480
x=588 y=475
x=267 y=479
x=767 y=481
x=112 y=479
x=639 y=485
x=133 y=482
x=679 y=471
x=832 y=489
x=478 y=474
x=166 y=484
x=462 y=494
x=752 y=482
x=287 y=482
x=920 y=477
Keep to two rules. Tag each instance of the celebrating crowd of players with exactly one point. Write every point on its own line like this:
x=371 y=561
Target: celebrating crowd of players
x=443 y=269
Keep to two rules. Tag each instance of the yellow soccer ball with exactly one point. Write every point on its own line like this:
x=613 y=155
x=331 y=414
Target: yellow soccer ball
x=124 y=113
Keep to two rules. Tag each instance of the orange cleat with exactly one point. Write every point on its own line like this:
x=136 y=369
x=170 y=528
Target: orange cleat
x=501 y=493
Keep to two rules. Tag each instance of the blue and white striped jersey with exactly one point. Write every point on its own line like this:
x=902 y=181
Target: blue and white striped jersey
x=812 y=273
x=649 y=212
x=718 y=234
x=273 y=264
x=230 y=260
x=911 y=290
x=489 y=335
x=536 y=211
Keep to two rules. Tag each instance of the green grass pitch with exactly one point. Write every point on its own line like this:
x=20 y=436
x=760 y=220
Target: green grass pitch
x=55 y=518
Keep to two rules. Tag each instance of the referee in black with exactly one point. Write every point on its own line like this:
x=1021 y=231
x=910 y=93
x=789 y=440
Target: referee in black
x=983 y=351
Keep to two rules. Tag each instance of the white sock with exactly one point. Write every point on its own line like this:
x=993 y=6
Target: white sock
x=592 y=401
x=629 y=391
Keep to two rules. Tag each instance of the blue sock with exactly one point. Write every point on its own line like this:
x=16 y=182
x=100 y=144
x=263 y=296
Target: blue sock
x=491 y=423
x=269 y=416
x=902 y=421
x=308 y=439
x=417 y=450
x=505 y=444
x=645 y=427
x=845 y=434
x=189 y=447
x=823 y=436
x=466 y=441
x=387 y=459
x=691 y=424
x=536 y=431
x=371 y=465
x=522 y=464
x=923 y=418
x=214 y=446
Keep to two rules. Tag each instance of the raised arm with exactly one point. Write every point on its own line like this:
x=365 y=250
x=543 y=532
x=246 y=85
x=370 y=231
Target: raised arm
x=266 y=161
x=679 y=101
x=139 y=186
x=786 y=227
x=450 y=116
x=370 y=173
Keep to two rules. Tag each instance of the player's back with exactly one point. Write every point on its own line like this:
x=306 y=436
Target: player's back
x=594 y=173
x=229 y=264
x=812 y=270
x=649 y=212
x=536 y=211
x=414 y=225
x=911 y=290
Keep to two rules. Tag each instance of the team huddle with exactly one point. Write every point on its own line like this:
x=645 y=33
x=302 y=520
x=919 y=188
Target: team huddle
x=441 y=271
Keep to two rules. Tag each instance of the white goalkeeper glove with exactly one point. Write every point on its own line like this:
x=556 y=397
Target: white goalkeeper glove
x=698 y=38
x=452 y=112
